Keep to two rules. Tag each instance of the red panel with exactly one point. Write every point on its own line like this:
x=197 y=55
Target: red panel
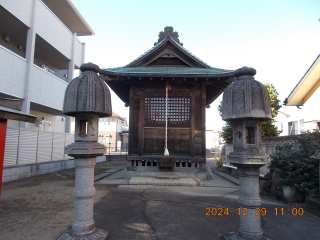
x=3 y=132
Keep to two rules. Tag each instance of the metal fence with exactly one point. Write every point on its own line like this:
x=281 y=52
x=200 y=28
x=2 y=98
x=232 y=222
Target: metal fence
x=113 y=149
x=24 y=146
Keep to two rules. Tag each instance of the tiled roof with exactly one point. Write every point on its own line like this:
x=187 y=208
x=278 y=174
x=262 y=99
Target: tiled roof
x=146 y=53
x=162 y=71
x=170 y=39
x=192 y=55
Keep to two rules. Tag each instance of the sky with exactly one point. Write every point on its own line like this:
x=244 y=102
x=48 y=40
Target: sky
x=280 y=39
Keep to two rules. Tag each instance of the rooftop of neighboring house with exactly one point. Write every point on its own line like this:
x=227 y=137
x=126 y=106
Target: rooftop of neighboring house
x=306 y=87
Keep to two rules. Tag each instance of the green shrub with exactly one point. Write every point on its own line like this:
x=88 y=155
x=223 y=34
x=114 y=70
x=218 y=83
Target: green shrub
x=296 y=168
x=219 y=162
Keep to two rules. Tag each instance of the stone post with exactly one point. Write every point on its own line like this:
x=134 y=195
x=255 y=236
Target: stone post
x=87 y=98
x=83 y=223
x=246 y=102
x=249 y=199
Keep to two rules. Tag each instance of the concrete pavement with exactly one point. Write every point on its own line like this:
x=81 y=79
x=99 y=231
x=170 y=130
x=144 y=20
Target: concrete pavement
x=162 y=212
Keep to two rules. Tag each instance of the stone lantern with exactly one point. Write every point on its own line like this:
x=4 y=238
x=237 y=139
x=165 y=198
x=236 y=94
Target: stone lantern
x=246 y=102
x=87 y=98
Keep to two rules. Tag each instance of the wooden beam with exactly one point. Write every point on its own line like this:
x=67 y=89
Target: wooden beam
x=192 y=122
x=203 y=118
x=11 y=103
x=141 y=122
x=131 y=97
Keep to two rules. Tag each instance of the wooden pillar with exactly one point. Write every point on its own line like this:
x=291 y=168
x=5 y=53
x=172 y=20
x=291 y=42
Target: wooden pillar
x=192 y=122
x=3 y=133
x=131 y=97
x=203 y=119
x=141 y=122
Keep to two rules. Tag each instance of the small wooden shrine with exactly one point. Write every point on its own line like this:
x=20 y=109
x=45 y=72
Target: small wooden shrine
x=193 y=85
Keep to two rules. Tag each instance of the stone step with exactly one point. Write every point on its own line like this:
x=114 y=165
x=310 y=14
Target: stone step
x=190 y=182
x=168 y=176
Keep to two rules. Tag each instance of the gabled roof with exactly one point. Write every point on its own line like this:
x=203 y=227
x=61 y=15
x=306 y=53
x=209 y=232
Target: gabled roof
x=308 y=84
x=168 y=58
x=164 y=47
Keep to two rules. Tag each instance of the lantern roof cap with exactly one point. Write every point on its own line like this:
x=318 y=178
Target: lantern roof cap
x=87 y=94
x=89 y=66
x=245 y=71
x=246 y=98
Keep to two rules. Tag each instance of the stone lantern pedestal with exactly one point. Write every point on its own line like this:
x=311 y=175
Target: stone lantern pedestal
x=87 y=98
x=246 y=103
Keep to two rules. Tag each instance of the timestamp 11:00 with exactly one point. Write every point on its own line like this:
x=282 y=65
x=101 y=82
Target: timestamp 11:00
x=256 y=211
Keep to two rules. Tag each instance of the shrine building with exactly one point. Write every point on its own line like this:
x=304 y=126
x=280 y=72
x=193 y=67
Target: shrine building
x=192 y=86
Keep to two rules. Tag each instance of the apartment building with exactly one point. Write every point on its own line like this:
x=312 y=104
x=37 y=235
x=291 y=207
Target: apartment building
x=39 y=52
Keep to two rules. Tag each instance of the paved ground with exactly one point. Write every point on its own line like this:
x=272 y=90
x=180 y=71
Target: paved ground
x=160 y=212
x=156 y=212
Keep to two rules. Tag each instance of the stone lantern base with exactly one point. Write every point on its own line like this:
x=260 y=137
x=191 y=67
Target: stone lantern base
x=235 y=236
x=99 y=234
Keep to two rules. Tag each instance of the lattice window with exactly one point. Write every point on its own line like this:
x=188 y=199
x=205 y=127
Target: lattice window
x=178 y=111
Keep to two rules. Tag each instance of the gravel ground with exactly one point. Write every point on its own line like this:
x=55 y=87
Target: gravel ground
x=41 y=207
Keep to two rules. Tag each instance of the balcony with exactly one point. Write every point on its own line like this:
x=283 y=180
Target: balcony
x=46 y=89
x=13 y=70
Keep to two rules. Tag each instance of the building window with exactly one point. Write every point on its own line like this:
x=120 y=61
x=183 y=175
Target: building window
x=108 y=121
x=178 y=111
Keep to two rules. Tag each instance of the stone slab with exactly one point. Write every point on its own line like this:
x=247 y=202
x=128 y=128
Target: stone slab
x=218 y=181
x=100 y=176
x=313 y=206
x=191 y=182
x=168 y=176
x=227 y=177
x=112 y=181
x=118 y=175
x=113 y=170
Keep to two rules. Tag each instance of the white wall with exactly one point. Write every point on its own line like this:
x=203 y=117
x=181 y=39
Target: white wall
x=46 y=88
x=22 y=9
x=50 y=28
x=304 y=118
x=13 y=70
x=57 y=122
x=78 y=53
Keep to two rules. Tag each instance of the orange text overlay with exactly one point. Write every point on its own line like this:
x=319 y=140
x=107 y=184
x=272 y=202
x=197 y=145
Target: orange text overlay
x=256 y=211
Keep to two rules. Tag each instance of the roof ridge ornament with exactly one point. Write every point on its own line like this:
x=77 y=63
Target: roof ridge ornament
x=168 y=32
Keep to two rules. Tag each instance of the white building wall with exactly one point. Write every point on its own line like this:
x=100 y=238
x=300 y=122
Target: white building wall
x=57 y=122
x=46 y=88
x=22 y=9
x=78 y=53
x=13 y=70
x=303 y=118
x=50 y=28
x=105 y=126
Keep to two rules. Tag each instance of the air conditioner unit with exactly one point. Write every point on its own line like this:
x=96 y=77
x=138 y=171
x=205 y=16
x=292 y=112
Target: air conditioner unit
x=47 y=126
x=38 y=122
